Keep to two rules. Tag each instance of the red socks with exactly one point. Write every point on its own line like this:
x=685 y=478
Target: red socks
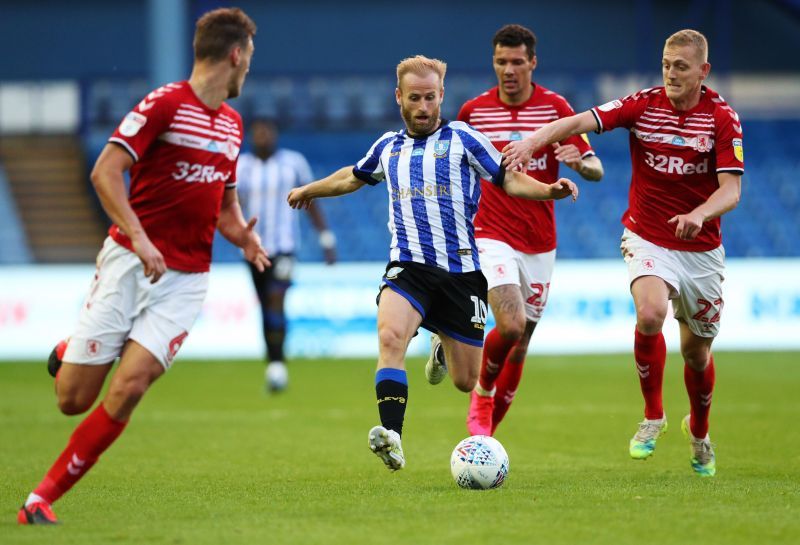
x=89 y=440
x=495 y=351
x=650 y=352
x=699 y=386
x=507 y=384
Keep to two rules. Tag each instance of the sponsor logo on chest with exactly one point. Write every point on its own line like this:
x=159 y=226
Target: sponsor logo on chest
x=538 y=163
x=670 y=164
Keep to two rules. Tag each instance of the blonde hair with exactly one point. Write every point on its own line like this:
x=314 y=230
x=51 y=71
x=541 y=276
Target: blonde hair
x=421 y=65
x=690 y=37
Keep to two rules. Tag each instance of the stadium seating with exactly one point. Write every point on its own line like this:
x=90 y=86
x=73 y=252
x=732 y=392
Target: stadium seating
x=334 y=120
x=12 y=236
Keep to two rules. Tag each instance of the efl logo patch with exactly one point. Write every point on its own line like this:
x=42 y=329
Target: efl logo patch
x=514 y=136
x=132 y=124
x=418 y=152
x=738 y=150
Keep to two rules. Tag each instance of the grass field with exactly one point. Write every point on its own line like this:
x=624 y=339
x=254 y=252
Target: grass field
x=208 y=458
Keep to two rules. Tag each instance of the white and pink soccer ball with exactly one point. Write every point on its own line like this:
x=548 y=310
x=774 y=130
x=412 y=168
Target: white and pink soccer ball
x=479 y=462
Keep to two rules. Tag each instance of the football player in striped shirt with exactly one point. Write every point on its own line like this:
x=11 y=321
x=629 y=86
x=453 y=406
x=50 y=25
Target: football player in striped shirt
x=180 y=144
x=516 y=237
x=432 y=171
x=687 y=162
x=265 y=175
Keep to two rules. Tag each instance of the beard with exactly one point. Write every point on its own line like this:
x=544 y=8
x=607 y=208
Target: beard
x=419 y=127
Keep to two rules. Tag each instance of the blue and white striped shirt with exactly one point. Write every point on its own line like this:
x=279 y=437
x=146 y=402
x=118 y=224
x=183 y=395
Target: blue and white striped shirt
x=264 y=186
x=434 y=187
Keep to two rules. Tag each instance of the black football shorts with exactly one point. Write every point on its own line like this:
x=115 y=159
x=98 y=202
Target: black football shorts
x=450 y=303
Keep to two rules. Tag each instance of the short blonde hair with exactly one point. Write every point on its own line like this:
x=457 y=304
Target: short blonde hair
x=690 y=37
x=421 y=65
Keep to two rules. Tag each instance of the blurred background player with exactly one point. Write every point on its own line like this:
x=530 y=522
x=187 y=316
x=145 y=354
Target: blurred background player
x=432 y=170
x=180 y=144
x=265 y=175
x=516 y=237
x=687 y=160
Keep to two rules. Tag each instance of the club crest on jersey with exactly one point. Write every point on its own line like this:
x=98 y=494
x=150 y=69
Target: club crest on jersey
x=738 y=150
x=514 y=136
x=440 y=148
x=231 y=150
x=703 y=143
x=132 y=124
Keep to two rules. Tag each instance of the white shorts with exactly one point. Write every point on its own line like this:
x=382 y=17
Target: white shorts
x=502 y=265
x=122 y=304
x=694 y=278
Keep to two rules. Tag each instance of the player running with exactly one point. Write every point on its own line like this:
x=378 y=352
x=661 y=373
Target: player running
x=687 y=158
x=432 y=170
x=265 y=175
x=180 y=144
x=516 y=238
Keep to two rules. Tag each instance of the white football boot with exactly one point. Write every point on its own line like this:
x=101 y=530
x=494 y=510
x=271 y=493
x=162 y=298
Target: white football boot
x=386 y=445
x=436 y=368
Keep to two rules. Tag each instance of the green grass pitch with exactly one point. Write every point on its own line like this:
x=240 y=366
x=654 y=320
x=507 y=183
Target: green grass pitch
x=208 y=458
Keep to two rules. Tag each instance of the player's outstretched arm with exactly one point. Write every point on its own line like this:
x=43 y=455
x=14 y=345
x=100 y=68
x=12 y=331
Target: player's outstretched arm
x=234 y=228
x=721 y=201
x=590 y=168
x=518 y=153
x=109 y=183
x=519 y=184
x=341 y=182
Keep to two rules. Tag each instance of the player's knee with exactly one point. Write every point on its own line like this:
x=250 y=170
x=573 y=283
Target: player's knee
x=129 y=390
x=466 y=382
x=390 y=339
x=511 y=328
x=696 y=359
x=650 y=319
x=73 y=402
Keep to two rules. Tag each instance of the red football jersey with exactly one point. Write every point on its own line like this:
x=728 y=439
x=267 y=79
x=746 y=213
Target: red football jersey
x=185 y=157
x=676 y=156
x=527 y=226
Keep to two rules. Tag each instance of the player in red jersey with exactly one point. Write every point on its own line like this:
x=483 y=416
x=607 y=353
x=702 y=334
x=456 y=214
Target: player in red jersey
x=687 y=158
x=516 y=238
x=180 y=144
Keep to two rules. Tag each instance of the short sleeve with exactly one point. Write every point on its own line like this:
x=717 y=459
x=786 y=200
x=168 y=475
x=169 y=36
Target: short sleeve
x=234 y=179
x=369 y=169
x=482 y=155
x=729 y=143
x=621 y=112
x=142 y=125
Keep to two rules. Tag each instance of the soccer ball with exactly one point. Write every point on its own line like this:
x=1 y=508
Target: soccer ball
x=479 y=462
x=277 y=376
